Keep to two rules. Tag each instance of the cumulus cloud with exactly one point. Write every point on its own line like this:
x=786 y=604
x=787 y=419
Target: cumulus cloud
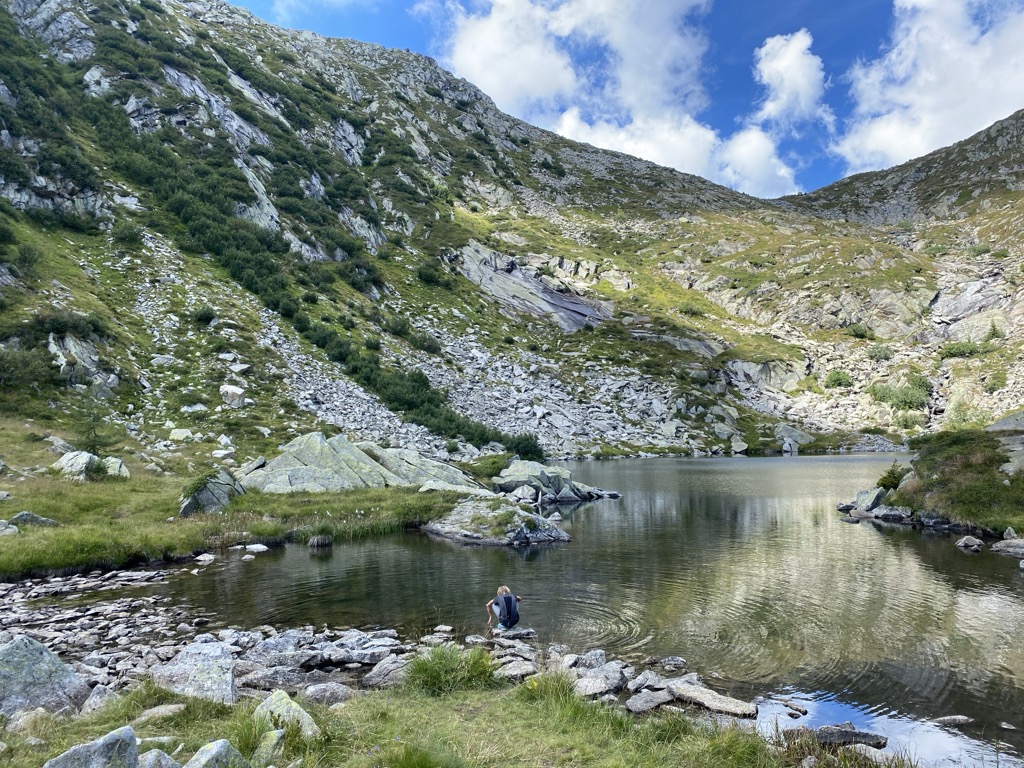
x=794 y=79
x=627 y=75
x=951 y=68
x=513 y=54
x=749 y=161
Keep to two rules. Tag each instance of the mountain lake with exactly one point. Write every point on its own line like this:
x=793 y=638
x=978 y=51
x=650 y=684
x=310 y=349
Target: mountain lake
x=741 y=566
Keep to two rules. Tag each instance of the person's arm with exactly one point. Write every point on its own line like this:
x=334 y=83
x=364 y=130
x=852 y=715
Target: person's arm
x=490 y=613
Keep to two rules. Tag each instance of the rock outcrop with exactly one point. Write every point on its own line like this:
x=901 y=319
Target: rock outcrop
x=215 y=494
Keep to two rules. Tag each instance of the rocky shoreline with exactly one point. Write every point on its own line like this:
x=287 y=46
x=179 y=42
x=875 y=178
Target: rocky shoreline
x=869 y=505
x=63 y=651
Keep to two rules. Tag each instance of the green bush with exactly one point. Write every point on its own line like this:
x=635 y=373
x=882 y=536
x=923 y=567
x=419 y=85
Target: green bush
x=980 y=249
x=127 y=234
x=838 y=378
x=859 y=331
x=25 y=368
x=204 y=315
x=962 y=349
x=425 y=342
x=879 y=352
x=893 y=475
x=446 y=670
x=913 y=395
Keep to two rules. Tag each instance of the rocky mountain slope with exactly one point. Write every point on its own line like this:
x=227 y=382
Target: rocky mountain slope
x=210 y=222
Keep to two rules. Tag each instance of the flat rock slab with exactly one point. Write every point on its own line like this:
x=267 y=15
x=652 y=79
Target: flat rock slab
x=1011 y=547
x=711 y=700
x=645 y=701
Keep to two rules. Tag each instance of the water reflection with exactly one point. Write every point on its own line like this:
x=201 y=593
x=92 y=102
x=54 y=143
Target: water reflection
x=740 y=566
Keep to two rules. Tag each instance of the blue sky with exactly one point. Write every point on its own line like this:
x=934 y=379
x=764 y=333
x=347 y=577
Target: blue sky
x=770 y=98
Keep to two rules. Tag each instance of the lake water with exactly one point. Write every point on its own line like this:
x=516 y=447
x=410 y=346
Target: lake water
x=740 y=566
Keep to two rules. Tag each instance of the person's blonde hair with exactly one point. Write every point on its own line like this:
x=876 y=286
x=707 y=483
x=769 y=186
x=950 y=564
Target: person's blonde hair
x=503 y=590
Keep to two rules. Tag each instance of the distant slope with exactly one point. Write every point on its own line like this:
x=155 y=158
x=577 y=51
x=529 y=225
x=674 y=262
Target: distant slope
x=948 y=183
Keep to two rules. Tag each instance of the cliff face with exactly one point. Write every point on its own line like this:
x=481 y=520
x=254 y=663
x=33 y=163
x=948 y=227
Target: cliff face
x=345 y=215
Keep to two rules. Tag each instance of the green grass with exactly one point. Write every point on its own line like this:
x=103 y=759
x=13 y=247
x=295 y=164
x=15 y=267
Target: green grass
x=445 y=670
x=538 y=724
x=112 y=524
x=957 y=476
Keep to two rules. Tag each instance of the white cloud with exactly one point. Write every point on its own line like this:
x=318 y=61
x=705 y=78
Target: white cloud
x=794 y=79
x=513 y=55
x=749 y=161
x=676 y=141
x=627 y=75
x=952 y=68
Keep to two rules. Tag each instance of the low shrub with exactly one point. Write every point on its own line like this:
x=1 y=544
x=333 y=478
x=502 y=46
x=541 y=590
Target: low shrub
x=204 y=315
x=962 y=349
x=893 y=475
x=879 y=352
x=837 y=378
x=859 y=331
x=446 y=670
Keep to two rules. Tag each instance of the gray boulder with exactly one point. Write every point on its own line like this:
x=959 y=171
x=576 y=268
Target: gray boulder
x=99 y=697
x=214 y=495
x=868 y=500
x=971 y=543
x=28 y=518
x=202 y=670
x=270 y=750
x=218 y=754
x=156 y=758
x=647 y=700
x=32 y=676
x=391 y=671
x=414 y=469
x=6 y=529
x=1011 y=547
x=314 y=463
x=115 y=467
x=278 y=708
x=115 y=750
x=329 y=693
x=893 y=514
x=75 y=464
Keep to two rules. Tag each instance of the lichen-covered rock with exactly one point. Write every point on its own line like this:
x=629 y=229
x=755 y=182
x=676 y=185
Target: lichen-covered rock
x=270 y=750
x=390 y=671
x=279 y=709
x=32 y=676
x=156 y=758
x=115 y=750
x=218 y=754
x=314 y=463
x=203 y=670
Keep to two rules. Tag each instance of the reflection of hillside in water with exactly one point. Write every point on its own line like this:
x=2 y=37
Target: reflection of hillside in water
x=741 y=567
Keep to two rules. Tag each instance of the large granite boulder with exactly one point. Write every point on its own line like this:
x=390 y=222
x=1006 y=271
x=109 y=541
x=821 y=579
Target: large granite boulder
x=479 y=522
x=551 y=484
x=32 y=676
x=202 y=670
x=115 y=750
x=215 y=494
x=314 y=463
x=76 y=464
x=414 y=469
x=869 y=499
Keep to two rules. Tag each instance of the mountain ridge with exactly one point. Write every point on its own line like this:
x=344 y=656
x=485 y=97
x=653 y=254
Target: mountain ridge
x=386 y=218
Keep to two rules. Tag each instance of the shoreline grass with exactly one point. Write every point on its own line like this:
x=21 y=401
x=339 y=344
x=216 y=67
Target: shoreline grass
x=536 y=724
x=124 y=523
